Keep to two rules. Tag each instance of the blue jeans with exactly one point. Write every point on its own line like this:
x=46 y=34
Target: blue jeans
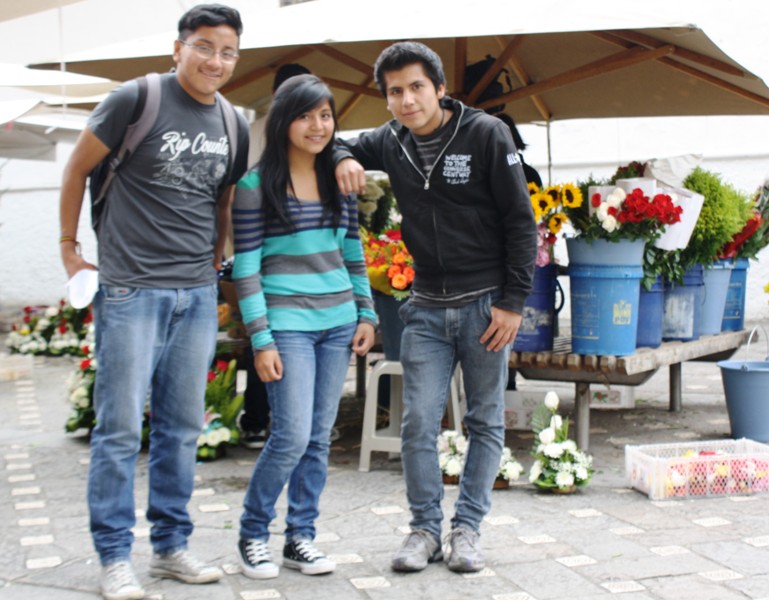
x=434 y=341
x=155 y=343
x=304 y=405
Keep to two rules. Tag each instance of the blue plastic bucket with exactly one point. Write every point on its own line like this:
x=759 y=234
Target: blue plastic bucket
x=604 y=308
x=734 y=308
x=716 y=286
x=746 y=387
x=650 y=304
x=536 y=331
x=681 y=307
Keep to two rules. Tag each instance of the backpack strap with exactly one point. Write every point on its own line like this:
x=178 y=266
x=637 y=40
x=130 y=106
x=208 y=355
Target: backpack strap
x=143 y=118
x=231 y=128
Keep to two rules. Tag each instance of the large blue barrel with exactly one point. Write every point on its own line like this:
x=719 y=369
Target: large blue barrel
x=536 y=331
x=734 y=309
x=650 y=305
x=681 y=310
x=604 y=308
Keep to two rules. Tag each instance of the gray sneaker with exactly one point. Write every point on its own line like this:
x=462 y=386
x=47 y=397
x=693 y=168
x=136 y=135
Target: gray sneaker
x=183 y=566
x=118 y=582
x=418 y=550
x=465 y=547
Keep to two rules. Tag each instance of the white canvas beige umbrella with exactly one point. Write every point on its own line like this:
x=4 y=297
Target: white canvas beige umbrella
x=567 y=60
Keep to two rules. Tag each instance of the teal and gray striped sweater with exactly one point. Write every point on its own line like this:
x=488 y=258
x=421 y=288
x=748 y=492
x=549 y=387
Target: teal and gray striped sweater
x=309 y=279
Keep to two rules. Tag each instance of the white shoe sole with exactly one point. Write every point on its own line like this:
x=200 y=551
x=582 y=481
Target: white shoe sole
x=263 y=573
x=214 y=575
x=309 y=568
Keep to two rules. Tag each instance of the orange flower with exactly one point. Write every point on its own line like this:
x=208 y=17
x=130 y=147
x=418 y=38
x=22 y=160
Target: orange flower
x=393 y=271
x=409 y=273
x=399 y=282
x=399 y=258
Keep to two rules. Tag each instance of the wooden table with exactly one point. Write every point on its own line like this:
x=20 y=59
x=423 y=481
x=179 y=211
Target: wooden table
x=561 y=364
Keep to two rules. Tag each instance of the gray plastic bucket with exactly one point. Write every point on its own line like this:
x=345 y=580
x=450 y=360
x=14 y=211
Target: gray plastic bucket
x=746 y=387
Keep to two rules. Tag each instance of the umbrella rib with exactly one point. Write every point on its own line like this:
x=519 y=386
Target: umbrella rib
x=343 y=58
x=622 y=37
x=632 y=37
x=353 y=101
x=491 y=74
x=600 y=67
x=524 y=79
x=724 y=85
x=260 y=72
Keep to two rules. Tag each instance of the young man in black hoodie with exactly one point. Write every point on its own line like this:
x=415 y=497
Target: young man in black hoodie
x=469 y=224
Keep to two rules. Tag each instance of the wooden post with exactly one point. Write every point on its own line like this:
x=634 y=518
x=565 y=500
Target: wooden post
x=675 y=387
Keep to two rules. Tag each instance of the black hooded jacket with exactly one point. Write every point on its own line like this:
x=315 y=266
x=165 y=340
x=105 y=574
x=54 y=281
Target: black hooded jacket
x=469 y=225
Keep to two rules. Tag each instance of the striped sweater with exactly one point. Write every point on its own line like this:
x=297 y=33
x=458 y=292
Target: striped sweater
x=309 y=279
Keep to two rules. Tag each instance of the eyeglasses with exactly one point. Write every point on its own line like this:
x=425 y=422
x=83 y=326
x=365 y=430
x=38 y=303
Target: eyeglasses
x=207 y=53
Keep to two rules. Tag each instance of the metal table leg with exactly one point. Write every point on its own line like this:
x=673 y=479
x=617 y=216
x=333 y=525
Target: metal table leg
x=582 y=406
x=675 y=387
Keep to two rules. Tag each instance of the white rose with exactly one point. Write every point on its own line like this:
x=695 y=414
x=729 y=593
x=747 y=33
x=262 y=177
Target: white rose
x=212 y=438
x=547 y=436
x=42 y=324
x=616 y=198
x=569 y=446
x=536 y=471
x=51 y=312
x=551 y=401
x=226 y=434
x=512 y=471
x=581 y=473
x=453 y=466
x=461 y=444
x=602 y=211
x=564 y=479
x=553 y=450
x=609 y=223
x=201 y=440
x=556 y=422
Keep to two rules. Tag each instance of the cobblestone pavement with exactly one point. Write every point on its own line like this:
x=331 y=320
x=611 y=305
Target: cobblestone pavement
x=604 y=540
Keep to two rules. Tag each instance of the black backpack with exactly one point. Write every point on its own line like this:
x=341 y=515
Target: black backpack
x=142 y=119
x=475 y=72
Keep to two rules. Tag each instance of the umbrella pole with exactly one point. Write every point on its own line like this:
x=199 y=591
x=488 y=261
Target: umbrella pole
x=549 y=155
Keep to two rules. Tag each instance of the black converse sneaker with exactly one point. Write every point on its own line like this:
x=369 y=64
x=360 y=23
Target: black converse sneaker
x=301 y=554
x=256 y=559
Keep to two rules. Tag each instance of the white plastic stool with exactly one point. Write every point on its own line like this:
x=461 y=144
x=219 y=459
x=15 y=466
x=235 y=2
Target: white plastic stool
x=388 y=439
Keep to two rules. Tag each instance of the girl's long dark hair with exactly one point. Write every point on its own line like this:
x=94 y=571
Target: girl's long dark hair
x=294 y=97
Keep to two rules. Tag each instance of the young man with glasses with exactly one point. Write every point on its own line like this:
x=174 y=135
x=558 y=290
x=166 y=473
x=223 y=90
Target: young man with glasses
x=160 y=237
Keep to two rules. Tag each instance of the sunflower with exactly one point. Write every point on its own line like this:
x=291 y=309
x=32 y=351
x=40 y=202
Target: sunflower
x=542 y=203
x=571 y=196
x=555 y=222
x=533 y=188
x=554 y=191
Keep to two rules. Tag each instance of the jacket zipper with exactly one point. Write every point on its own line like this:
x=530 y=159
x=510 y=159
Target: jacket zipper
x=430 y=172
x=437 y=158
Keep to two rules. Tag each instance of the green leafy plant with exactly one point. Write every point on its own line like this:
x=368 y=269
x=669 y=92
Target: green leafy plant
x=721 y=217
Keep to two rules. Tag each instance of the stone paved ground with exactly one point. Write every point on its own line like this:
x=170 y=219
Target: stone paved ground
x=607 y=539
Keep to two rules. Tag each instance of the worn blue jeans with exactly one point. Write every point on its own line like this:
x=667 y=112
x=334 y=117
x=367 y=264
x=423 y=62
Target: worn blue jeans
x=155 y=343
x=434 y=341
x=304 y=406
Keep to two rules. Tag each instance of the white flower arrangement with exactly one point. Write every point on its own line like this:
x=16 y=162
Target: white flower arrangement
x=559 y=464
x=452 y=448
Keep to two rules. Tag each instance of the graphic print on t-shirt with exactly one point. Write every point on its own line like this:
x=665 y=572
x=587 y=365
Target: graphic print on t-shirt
x=191 y=164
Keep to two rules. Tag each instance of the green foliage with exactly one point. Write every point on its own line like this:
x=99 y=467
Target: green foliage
x=540 y=418
x=721 y=217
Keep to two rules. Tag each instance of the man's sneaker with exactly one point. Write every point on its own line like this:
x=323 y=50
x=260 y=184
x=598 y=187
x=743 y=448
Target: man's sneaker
x=254 y=439
x=303 y=555
x=418 y=550
x=118 y=582
x=465 y=551
x=256 y=559
x=182 y=565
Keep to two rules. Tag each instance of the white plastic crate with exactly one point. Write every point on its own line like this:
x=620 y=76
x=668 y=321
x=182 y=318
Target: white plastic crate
x=698 y=469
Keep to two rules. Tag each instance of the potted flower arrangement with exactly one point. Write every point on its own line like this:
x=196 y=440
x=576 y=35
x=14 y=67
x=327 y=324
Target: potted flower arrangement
x=52 y=330
x=452 y=448
x=390 y=266
x=376 y=205
x=559 y=466
x=222 y=407
x=537 y=327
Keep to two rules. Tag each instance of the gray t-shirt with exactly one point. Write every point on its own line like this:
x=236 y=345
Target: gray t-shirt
x=159 y=225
